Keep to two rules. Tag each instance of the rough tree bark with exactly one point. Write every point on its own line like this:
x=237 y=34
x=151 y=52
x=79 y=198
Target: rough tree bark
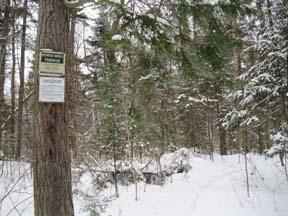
x=21 y=87
x=71 y=86
x=51 y=151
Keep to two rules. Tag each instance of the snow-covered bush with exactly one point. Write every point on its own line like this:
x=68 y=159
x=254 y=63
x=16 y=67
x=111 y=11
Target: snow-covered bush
x=280 y=143
x=176 y=162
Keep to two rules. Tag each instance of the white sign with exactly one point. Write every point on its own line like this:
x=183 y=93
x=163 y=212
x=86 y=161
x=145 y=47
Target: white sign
x=52 y=90
x=52 y=63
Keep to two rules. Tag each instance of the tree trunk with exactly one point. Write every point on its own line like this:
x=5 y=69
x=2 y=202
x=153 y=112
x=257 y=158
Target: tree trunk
x=236 y=55
x=223 y=143
x=51 y=151
x=13 y=70
x=3 y=63
x=21 y=87
x=259 y=5
x=269 y=12
x=260 y=141
x=210 y=135
x=222 y=132
x=115 y=161
x=246 y=149
x=2 y=82
x=236 y=73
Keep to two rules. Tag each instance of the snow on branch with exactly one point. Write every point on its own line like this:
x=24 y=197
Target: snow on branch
x=76 y=3
x=117 y=37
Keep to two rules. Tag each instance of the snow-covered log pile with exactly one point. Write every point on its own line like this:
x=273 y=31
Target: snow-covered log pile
x=151 y=170
x=169 y=164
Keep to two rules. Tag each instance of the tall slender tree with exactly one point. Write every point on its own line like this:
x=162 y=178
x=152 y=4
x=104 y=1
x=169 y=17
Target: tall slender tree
x=4 y=24
x=21 y=87
x=13 y=71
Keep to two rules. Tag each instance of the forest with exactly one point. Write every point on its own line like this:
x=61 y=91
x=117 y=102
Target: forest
x=141 y=94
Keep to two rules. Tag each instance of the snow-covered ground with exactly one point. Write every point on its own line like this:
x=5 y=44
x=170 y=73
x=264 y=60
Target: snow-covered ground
x=209 y=188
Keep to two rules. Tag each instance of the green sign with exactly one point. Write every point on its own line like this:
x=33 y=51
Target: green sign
x=52 y=63
x=52 y=58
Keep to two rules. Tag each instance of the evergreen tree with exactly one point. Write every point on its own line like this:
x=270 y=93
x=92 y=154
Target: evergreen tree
x=263 y=95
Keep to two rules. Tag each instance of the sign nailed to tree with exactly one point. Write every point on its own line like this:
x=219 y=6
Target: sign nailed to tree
x=52 y=89
x=52 y=63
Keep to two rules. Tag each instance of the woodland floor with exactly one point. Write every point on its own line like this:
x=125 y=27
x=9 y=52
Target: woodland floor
x=209 y=188
x=212 y=188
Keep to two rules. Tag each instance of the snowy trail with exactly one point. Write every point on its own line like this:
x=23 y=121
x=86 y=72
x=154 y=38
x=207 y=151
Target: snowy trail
x=217 y=188
x=208 y=189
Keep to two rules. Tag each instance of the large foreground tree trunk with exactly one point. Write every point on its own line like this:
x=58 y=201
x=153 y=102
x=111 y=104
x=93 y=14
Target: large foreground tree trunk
x=51 y=152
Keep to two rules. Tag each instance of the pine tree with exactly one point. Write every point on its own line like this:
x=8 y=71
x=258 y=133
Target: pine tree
x=263 y=98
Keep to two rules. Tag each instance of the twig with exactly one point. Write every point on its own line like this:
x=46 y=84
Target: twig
x=15 y=206
x=14 y=185
x=146 y=165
